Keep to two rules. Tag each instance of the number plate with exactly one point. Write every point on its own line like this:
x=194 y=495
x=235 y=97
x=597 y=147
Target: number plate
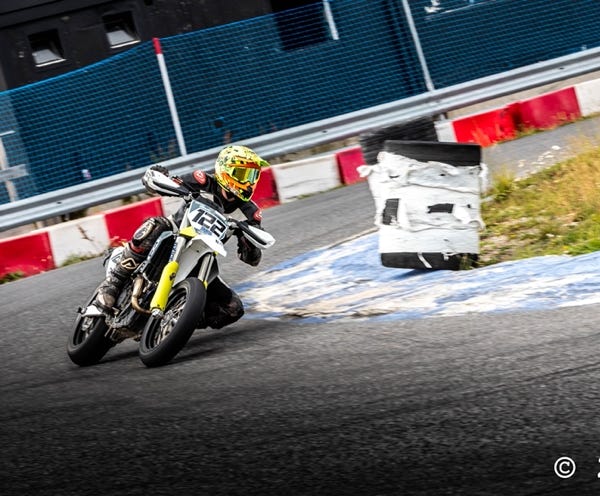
x=204 y=219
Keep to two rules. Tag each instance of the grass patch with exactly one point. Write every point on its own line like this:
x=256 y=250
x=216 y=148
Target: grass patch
x=73 y=259
x=11 y=276
x=553 y=212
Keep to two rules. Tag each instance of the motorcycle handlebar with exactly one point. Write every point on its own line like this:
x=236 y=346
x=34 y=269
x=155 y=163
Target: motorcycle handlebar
x=179 y=191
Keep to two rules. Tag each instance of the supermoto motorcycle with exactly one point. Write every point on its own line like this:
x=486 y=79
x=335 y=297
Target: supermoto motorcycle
x=164 y=301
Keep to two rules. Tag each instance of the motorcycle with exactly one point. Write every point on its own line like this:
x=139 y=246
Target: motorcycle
x=163 y=303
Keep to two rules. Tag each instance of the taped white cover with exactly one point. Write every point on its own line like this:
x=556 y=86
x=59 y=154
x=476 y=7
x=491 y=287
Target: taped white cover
x=438 y=205
x=403 y=171
x=417 y=205
x=445 y=241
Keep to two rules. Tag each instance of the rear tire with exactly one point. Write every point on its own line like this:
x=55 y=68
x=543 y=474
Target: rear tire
x=87 y=343
x=163 y=338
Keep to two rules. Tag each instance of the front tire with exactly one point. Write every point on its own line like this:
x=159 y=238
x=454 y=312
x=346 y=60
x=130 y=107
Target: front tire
x=88 y=342
x=163 y=338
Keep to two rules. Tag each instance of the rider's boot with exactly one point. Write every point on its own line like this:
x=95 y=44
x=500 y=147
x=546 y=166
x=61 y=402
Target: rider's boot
x=221 y=313
x=113 y=284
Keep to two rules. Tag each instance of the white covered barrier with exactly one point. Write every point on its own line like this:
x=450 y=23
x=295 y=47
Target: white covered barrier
x=306 y=177
x=427 y=201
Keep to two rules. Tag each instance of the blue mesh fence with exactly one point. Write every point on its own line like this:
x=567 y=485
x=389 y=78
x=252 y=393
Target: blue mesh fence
x=269 y=73
x=244 y=79
x=93 y=122
x=469 y=39
x=14 y=153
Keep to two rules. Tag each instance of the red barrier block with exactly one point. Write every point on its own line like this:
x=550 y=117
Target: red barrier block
x=347 y=161
x=29 y=254
x=265 y=194
x=122 y=222
x=486 y=128
x=549 y=110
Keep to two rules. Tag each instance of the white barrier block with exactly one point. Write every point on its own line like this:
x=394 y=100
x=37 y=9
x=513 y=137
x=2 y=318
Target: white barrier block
x=445 y=131
x=77 y=238
x=588 y=97
x=306 y=177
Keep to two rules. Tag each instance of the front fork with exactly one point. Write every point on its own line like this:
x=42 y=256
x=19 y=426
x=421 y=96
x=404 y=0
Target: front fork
x=165 y=283
x=159 y=299
x=161 y=295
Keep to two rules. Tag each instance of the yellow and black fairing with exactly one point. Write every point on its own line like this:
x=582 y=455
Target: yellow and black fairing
x=169 y=272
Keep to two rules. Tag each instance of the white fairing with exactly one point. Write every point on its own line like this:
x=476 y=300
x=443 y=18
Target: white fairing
x=213 y=243
x=259 y=238
x=190 y=256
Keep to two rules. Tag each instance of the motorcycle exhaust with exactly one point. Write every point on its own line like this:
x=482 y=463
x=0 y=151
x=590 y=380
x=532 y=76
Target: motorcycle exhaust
x=138 y=284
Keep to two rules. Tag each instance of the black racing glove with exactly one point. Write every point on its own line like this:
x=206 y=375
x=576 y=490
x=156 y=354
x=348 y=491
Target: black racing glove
x=247 y=252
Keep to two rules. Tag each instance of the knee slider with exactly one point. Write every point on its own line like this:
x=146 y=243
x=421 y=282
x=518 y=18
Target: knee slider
x=147 y=234
x=235 y=308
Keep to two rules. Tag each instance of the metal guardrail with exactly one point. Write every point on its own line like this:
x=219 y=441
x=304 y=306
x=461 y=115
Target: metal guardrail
x=435 y=102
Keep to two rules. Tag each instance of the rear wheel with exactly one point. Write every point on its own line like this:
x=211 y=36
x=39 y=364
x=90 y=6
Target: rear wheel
x=163 y=338
x=88 y=342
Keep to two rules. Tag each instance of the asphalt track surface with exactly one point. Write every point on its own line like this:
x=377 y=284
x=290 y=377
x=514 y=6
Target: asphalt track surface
x=482 y=404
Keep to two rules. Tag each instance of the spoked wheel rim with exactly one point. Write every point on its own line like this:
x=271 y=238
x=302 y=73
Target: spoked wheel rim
x=88 y=342
x=163 y=338
x=84 y=329
x=172 y=314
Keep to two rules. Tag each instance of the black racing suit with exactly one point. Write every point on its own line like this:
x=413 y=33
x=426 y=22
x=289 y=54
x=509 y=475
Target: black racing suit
x=223 y=305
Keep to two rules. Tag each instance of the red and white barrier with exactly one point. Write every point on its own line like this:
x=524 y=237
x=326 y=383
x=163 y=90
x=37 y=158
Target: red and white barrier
x=588 y=97
x=348 y=161
x=122 y=222
x=28 y=254
x=306 y=177
x=265 y=194
x=79 y=238
x=548 y=111
x=486 y=128
x=542 y=112
x=51 y=247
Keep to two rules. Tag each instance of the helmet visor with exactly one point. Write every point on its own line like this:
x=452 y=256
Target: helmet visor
x=247 y=174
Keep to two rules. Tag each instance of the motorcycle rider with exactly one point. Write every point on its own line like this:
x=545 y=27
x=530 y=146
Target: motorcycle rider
x=237 y=170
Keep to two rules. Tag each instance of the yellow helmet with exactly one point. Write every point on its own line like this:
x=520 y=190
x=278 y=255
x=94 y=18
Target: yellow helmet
x=237 y=170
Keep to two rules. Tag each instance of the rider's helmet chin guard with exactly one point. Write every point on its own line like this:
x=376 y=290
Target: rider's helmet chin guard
x=237 y=170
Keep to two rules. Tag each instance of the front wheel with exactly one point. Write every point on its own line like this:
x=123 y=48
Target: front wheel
x=163 y=338
x=88 y=342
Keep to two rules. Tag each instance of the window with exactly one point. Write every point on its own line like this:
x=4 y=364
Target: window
x=120 y=29
x=46 y=48
x=300 y=23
